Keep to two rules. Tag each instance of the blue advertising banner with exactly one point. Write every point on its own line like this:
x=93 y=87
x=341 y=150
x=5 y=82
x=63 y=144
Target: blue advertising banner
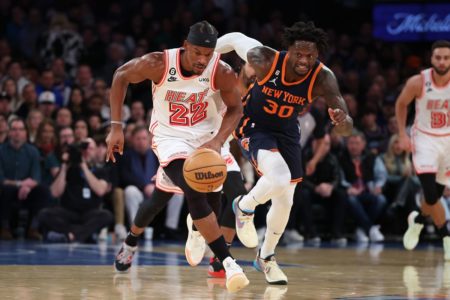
x=411 y=22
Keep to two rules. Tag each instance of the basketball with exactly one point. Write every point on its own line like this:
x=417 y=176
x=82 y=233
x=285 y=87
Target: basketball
x=205 y=170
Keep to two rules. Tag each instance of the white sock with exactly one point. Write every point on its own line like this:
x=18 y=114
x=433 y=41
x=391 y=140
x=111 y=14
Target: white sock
x=277 y=219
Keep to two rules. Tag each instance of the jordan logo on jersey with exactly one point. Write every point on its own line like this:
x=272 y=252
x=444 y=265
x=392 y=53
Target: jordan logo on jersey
x=274 y=81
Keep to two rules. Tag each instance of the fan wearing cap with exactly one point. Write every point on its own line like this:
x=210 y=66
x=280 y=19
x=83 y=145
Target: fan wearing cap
x=47 y=104
x=185 y=117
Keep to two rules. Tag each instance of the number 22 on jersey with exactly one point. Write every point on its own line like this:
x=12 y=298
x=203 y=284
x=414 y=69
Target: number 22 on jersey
x=187 y=116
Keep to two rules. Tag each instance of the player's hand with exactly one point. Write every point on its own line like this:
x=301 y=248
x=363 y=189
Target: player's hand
x=337 y=116
x=114 y=142
x=213 y=144
x=404 y=142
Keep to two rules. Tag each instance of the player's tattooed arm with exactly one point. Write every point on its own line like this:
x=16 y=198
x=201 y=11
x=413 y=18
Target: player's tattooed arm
x=261 y=59
x=327 y=87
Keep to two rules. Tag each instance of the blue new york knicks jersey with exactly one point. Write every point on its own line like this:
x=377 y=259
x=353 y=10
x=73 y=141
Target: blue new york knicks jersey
x=274 y=104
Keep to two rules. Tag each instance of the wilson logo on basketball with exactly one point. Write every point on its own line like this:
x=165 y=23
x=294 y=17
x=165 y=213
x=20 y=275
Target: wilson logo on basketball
x=208 y=175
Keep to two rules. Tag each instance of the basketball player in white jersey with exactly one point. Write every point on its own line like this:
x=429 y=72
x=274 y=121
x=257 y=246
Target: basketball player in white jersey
x=430 y=141
x=184 y=119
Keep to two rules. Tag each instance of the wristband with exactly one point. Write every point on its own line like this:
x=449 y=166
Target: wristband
x=117 y=122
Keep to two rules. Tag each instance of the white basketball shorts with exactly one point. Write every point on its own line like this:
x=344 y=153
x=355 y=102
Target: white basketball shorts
x=431 y=154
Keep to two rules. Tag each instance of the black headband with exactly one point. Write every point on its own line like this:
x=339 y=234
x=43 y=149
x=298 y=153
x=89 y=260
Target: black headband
x=202 y=39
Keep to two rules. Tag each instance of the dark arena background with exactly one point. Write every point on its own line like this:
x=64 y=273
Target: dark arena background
x=59 y=241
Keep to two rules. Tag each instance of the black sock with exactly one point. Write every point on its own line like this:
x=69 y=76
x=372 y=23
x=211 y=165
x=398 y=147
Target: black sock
x=443 y=231
x=219 y=248
x=132 y=239
x=420 y=219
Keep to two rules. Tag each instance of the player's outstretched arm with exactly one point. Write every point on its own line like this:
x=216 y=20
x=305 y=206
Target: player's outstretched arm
x=410 y=91
x=326 y=86
x=149 y=66
x=238 y=42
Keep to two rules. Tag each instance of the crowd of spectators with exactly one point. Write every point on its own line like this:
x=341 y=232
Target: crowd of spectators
x=56 y=67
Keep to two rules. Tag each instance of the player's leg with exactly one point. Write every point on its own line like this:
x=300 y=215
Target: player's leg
x=146 y=213
x=431 y=206
x=274 y=180
x=277 y=219
x=232 y=187
x=205 y=221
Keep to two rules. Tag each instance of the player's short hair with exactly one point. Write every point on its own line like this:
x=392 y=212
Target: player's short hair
x=440 y=44
x=305 y=31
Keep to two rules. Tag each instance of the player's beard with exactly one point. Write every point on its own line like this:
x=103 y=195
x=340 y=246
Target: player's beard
x=441 y=72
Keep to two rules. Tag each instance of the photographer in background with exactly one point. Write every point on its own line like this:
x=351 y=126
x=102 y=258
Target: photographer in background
x=81 y=187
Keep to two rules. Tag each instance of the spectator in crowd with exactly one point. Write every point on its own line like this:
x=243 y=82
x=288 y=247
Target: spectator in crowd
x=3 y=129
x=63 y=117
x=34 y=119
x=373 y=132
x=84 y=79
x=115 y=192
x=5 y=105
x=61 y=40
x=30 y=101
x=9 y=86
x=45 y=137
x=94 y=104
x=47 y=104
x=322 y=187
x=15 y=72
x=81 y=130
x=76 y=103
x=61 y=80
x=137 y=168
x=401 y=185
x=137 y=111
x=53 y=160
x=95 y=124
x=47 y=83
x=20 y=177
x=81 y=187
x=364 y=176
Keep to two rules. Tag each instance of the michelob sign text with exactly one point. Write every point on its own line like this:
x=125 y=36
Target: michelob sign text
x=411 y=22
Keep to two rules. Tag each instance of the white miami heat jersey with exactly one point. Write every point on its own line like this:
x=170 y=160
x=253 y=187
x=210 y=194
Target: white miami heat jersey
x=183 y=107
x=433 y=107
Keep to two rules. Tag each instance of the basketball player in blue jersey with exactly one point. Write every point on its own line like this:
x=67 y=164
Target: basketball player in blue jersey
x=287 y=82
x=184 y=118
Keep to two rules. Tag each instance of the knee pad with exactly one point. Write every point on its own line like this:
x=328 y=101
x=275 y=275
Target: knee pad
x=197 y=202
x=430 y=188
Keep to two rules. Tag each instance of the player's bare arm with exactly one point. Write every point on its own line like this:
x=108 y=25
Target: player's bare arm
x=326 y=86
x=150 y=66
x=226 y=81
x=411 y=90
x=261 y=60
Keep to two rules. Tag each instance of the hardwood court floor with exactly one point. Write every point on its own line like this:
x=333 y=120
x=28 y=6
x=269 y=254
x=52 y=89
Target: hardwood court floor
x=60 y=271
